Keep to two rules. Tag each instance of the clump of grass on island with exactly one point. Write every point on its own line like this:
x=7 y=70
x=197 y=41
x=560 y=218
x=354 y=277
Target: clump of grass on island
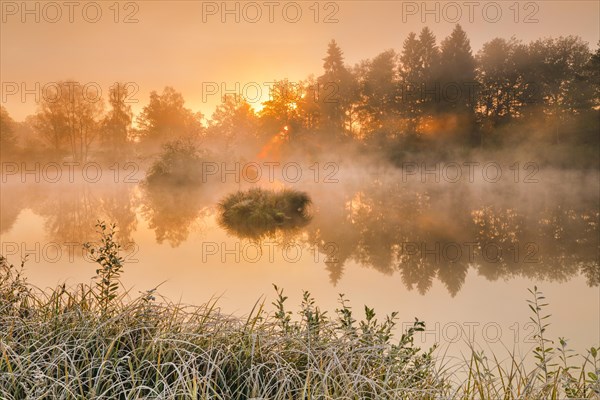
x=94 y=341
x=257 y=213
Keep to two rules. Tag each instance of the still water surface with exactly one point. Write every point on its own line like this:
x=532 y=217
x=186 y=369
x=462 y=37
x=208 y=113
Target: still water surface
x=458 y=255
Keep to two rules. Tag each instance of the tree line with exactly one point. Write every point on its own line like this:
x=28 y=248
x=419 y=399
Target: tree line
x=420 y=97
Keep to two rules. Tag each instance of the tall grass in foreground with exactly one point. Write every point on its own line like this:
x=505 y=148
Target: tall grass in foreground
x=97 y=342
x=551 y=376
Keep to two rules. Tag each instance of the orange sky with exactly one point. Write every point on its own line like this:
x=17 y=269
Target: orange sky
x=186 y=45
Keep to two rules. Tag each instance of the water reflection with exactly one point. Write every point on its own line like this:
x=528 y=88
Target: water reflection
x=423 y=233
x=13 y=201
x=438 y=233
x=171 y=211
x=71 y=211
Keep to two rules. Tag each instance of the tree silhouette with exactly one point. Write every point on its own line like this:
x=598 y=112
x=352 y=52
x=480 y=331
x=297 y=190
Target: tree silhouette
x=336 y=89
x=8 y=141
x=593 y=70
x=117 y=123
x=457 y=79
x=410 y=71
x=559 y=65
x=166 y=118
x=69 y=119
x=379 y=91
x=419 y=73
x=233 y=126
x=503 y=90
x=282 y=108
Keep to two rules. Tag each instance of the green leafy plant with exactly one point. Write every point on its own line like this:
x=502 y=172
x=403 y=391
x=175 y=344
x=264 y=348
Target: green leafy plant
x=543 y=353
x=106 y=254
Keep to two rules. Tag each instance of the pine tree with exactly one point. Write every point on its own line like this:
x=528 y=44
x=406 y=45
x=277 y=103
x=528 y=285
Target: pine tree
x=334 y=62
x=429 y=60
x=410 y=66
x=593 y=70
x=429 y=54
x=419 y=83
x=380 y=86
x=336 y=89
x=457 y=68
x=411 y=76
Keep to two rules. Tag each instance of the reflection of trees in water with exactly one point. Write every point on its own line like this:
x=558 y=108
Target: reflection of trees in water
x=71 y=211
x=438 y=233
x=392 y=228
x=331 y=228
x=119 y=204
x=171 y=211
x=9 y=215
x=568 y=242
x=13 y=200
x=591 y=270
x=375 y=226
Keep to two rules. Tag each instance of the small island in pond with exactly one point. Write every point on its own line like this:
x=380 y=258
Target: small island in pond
x=258 y=213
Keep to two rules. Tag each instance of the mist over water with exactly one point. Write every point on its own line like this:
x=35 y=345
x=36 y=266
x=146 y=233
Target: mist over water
x=423 y=220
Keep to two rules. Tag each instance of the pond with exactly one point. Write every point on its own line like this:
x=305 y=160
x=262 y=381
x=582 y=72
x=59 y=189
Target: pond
x=459 y=255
